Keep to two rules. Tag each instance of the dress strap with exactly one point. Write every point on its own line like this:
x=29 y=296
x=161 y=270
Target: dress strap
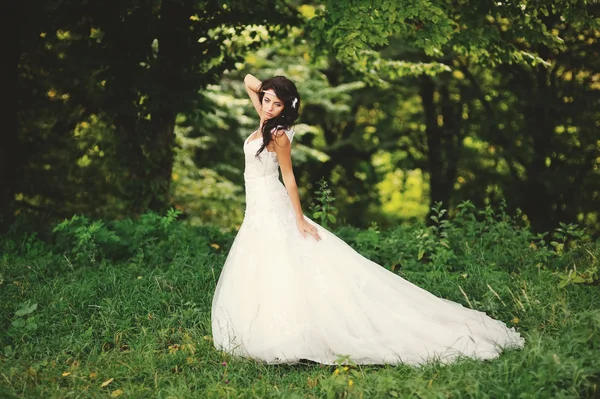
x=288 y=132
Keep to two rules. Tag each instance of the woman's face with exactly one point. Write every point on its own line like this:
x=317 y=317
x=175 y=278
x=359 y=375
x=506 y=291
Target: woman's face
x=271 y=105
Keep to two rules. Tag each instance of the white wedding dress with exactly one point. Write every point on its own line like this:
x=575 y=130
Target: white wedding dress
x=281 y=298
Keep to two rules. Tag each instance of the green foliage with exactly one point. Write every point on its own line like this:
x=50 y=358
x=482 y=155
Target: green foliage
x=523 y=155
x=367 y=242
x=489 y=33
x=323 y=210
x=341 y=381
x=570 y=235
x=23 y=318
x=150 y=240
x=103 y=89
x=142 y=106
x=142 y=329
x=515 y=117
x=581 y=265
x=354 y=29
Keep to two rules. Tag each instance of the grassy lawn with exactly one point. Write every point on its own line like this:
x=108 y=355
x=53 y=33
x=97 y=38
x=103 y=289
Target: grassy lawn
x=85 y=315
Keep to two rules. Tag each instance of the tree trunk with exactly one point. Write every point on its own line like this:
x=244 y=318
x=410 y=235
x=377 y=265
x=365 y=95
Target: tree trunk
x=539 y=200
x=174 y=57
x=9 y=145
x=452 y=141
x=147 y=143
x=443 y=142
x=435 y=161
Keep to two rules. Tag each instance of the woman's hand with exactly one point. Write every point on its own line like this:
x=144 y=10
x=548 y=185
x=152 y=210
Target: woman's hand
x=306 y=228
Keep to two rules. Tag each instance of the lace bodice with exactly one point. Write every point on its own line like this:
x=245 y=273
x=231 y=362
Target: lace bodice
x=265 y=164
x=265 y=194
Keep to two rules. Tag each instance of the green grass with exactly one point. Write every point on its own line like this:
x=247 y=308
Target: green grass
x=100 y=323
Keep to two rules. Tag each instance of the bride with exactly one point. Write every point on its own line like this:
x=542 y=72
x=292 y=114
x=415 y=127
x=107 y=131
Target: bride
x=292 y=291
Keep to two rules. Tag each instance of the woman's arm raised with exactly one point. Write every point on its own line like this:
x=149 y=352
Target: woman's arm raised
x=252 y=88
x=283 y=148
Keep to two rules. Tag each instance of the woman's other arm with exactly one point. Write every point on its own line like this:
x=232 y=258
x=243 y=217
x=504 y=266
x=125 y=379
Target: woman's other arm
x=283 y=148
x=252 y=88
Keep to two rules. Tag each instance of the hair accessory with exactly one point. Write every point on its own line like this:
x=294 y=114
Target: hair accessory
x=271 y=92
x=294 y=102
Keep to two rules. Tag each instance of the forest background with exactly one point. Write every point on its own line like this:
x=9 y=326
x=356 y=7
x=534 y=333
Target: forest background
x=137 y=105
x=478 y=118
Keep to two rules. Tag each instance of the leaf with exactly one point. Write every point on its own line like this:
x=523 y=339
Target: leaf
x=331 y=218
x=66 y=374
x=116 y=393
x=577 y=279
x=18 y=323
x=421 y=253
x=563 y=283
x=26 y=309
x=31 y=325
x=105 y=383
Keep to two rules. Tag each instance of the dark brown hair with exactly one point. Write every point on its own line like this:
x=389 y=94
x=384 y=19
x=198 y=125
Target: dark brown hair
x=287 y=92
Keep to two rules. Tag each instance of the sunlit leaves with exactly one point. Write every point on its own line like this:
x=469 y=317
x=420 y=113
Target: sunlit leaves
x=353 y=30
x=107 y=382
x=307 y=11
x=489 y=33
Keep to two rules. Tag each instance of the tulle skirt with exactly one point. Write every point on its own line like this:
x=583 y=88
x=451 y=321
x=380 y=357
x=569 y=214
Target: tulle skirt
x=281 y=298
